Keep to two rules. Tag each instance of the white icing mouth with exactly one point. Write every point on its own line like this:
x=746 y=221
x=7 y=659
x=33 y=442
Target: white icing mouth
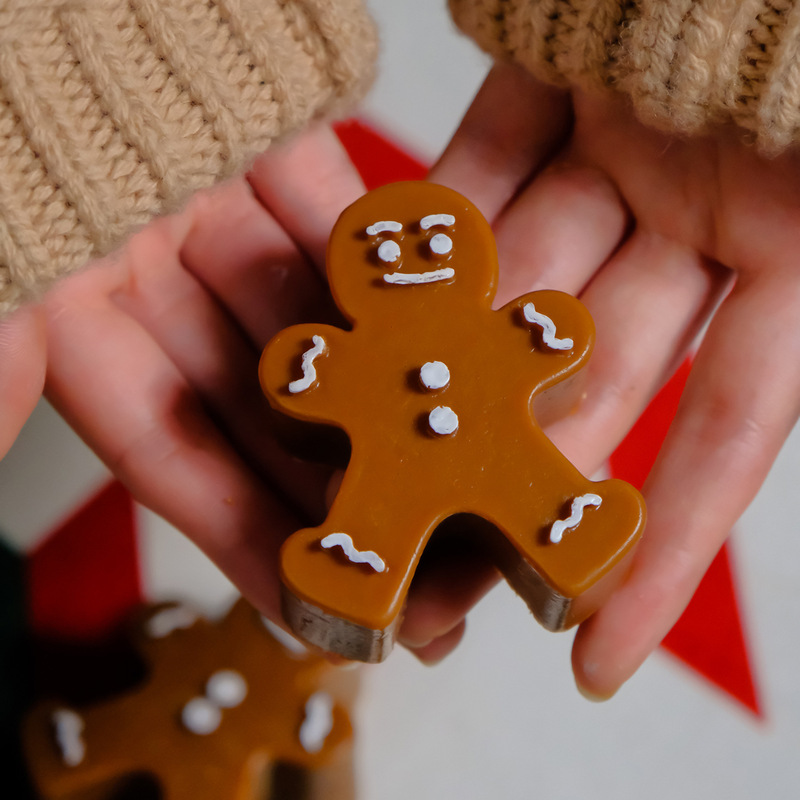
x=408 y=278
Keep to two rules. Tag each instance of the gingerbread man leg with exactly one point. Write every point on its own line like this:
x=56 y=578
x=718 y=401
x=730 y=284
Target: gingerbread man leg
x=567 y=562
x=345 y=582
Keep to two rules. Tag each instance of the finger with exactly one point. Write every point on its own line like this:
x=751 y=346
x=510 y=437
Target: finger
x=305 y=185
x=451 y=579
x=134 y=409
x=558 y=231
x=648 y=303
x=22 y=369
x=437 y=650
x=215 y=358
x=739 y=405
x=250 y=264
x=514 y=125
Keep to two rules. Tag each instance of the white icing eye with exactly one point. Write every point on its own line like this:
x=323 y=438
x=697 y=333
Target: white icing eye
x=226 y=688
x=441 y=244
x=389 y=251
x=201 y=716
x=443 y=420
x=434 y=375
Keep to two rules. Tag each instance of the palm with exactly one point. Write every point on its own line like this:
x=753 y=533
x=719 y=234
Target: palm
x=153 y=356
x=660 y=237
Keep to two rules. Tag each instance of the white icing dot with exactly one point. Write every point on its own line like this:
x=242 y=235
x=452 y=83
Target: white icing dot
x=443 y=420
x=226 y=688
x=384 y=225
x=441 y=244
x=200 y=716
x=389 y=251
x=318 y=722
x=434 y=375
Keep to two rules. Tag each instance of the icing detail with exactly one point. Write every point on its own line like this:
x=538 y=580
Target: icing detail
x=356 y=556
x=575 y=517
x=291 y=643
x=226 y=688
x=443 y=420
x=434 y=375
x=548 y=328
x=309 y=370
x=68 y=729
x=404 y=278
x=384 y=225
x=318 y=722
x=436 y=219
x=441 y=244
x=169 y=620
x=201 y=716
x=389 y=251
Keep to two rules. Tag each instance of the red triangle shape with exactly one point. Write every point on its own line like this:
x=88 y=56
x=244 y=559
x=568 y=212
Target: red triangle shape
x=377 y=159
x=709 y=637
x=83 y=578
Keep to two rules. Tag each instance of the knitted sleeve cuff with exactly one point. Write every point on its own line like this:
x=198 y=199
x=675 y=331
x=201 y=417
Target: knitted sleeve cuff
x=684 y=63
x=113 y=111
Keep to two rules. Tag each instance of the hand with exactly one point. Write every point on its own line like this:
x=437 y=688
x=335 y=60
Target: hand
x=153 y=356
x=659 y=236
x=22 y=367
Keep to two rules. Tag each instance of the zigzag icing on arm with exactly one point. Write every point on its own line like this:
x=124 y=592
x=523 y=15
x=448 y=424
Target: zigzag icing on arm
x=318 y=722
x=575 y=517
x=548 y=328
x=353 y=554
x=68 y=729
x=309 y=371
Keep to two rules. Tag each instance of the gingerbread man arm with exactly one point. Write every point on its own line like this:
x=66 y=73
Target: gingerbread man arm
x=562 y=331
x=298 y=371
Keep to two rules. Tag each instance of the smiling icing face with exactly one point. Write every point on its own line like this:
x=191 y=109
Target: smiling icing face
x=410 y=237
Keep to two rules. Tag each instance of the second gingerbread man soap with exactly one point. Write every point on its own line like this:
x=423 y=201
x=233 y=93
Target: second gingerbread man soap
x=434 y=389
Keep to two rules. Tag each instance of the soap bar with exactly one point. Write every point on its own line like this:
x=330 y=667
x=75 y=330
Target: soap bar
x=434 y=390
x=233 y=709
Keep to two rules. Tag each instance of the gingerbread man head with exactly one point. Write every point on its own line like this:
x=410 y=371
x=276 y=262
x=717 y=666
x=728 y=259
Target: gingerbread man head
x=410 y=235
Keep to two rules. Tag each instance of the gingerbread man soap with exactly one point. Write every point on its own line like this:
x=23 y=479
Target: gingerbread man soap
x=232 y=709
x=435 y=389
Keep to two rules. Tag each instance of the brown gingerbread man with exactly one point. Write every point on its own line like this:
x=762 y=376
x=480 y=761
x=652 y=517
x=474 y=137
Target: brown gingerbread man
x=226 y=710
x=435 y=389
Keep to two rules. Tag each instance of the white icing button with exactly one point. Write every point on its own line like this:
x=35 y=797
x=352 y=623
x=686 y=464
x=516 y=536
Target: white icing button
x=318 y=722
x=443 y=420
x=434 y=375
x=226 y=688
x=201 y=716
x=441 y=244
x=389 y=251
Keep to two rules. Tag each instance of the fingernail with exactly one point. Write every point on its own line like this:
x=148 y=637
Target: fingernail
x=592 y=696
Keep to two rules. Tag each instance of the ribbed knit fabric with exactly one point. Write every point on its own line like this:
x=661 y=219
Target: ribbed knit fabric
x=113 y=111
x=685 y=63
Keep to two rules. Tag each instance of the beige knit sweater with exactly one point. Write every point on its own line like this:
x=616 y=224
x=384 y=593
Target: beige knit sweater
x=113 y=111
x=686 y=64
